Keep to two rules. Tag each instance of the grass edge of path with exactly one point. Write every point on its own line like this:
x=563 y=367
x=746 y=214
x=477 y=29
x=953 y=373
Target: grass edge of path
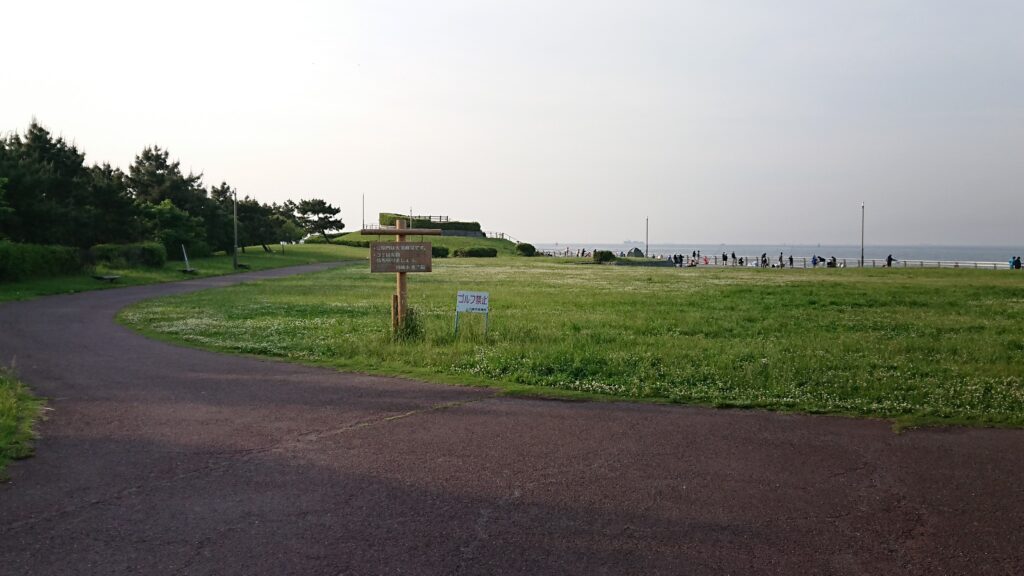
x=19 y=413
x=527 y=391
x=206 y=267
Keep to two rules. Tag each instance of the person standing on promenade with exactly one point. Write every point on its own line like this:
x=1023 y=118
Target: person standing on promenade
x=889 y=260
x=790 y=260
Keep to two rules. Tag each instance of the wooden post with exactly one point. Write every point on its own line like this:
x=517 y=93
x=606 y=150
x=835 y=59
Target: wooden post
x=401 y=287
x=394 y=312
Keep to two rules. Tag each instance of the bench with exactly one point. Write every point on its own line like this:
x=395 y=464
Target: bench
x=110 y=279
x=189 y=271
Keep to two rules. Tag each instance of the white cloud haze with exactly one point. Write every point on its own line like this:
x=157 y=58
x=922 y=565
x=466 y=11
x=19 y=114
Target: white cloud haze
x=723 y=120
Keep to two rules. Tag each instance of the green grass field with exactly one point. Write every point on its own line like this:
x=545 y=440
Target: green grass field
x=255 y=257
x=917 y=346
x=18 y=411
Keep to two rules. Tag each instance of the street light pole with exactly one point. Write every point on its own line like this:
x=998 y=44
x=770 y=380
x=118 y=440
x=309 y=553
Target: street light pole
x=647 y=237
x=861 y=234
x=234 y=253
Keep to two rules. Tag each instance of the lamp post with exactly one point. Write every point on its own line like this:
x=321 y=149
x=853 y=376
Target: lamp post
x=647 y=237
x=234 y=253
x=861 y=234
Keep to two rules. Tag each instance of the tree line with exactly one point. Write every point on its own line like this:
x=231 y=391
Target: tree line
x=49 y=196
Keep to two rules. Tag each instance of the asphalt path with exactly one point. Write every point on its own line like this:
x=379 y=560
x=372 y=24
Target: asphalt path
x=158 y=459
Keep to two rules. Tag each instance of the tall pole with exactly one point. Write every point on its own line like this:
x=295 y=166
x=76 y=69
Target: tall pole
x=400 y=300
x=234 y=253
x=861 y=234
x=364 y=210
x=647 y=237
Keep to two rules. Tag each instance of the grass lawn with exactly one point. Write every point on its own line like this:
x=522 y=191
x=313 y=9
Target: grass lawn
x=18 y=410
x=254 y=257
x=915 y=346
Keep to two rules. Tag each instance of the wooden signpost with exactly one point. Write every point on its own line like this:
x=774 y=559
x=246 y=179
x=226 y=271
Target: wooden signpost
x=400 y=257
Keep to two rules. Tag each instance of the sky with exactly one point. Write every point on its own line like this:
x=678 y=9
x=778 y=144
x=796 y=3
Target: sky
x=722 y=121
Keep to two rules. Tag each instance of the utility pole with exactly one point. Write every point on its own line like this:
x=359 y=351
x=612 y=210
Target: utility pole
x=234 y=253
x=861 y=234
x=364 y=211
x=647 y=237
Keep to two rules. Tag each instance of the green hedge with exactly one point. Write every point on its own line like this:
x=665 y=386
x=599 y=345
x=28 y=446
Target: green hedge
x=388 y=219
x=476 y=252
x=356 y=243
x=604 y=256
x=151 y=254
x=526 y=249
x=19 y=261
x=436 y=251
x=336 y=242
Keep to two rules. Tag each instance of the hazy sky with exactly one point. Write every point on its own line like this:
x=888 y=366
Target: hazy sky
x=722 y=120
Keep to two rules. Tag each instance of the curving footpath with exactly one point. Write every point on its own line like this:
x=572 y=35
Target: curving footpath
x=158 y=459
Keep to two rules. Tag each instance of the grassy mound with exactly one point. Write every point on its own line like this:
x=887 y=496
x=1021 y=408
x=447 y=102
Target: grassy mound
x=452 y=243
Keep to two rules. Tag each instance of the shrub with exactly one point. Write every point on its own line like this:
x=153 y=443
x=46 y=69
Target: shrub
x=356 y=243
x=476 y=252
x=604 y=256
x=411 y=330
x=18 y=261
x=439 y=251
x=151 y=254
x=524 y=249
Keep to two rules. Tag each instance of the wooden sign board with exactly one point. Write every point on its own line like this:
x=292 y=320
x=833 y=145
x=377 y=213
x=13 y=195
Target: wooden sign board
x=400 y=257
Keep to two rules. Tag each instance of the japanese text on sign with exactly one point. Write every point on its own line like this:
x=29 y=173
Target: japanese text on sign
x=471 y=302
x=400 y=257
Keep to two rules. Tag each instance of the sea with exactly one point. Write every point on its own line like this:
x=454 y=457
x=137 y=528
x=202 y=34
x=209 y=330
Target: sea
x=877 y=252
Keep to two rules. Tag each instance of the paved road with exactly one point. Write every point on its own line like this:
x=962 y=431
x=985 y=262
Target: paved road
x=162 y=460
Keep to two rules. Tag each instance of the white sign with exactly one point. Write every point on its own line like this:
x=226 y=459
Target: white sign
x=471 y=302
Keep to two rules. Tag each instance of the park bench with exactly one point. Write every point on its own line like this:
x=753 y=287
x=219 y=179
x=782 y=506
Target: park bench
x=103 y=278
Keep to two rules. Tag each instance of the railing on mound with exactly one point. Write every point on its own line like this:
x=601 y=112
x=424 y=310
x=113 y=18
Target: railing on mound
x=501 y=236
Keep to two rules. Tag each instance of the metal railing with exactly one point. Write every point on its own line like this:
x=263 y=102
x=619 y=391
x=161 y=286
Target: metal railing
x=803 y=261
x=501 y=236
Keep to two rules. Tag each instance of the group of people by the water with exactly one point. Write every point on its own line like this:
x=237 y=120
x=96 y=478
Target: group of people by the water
x=695 y=258
x=827 y=262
